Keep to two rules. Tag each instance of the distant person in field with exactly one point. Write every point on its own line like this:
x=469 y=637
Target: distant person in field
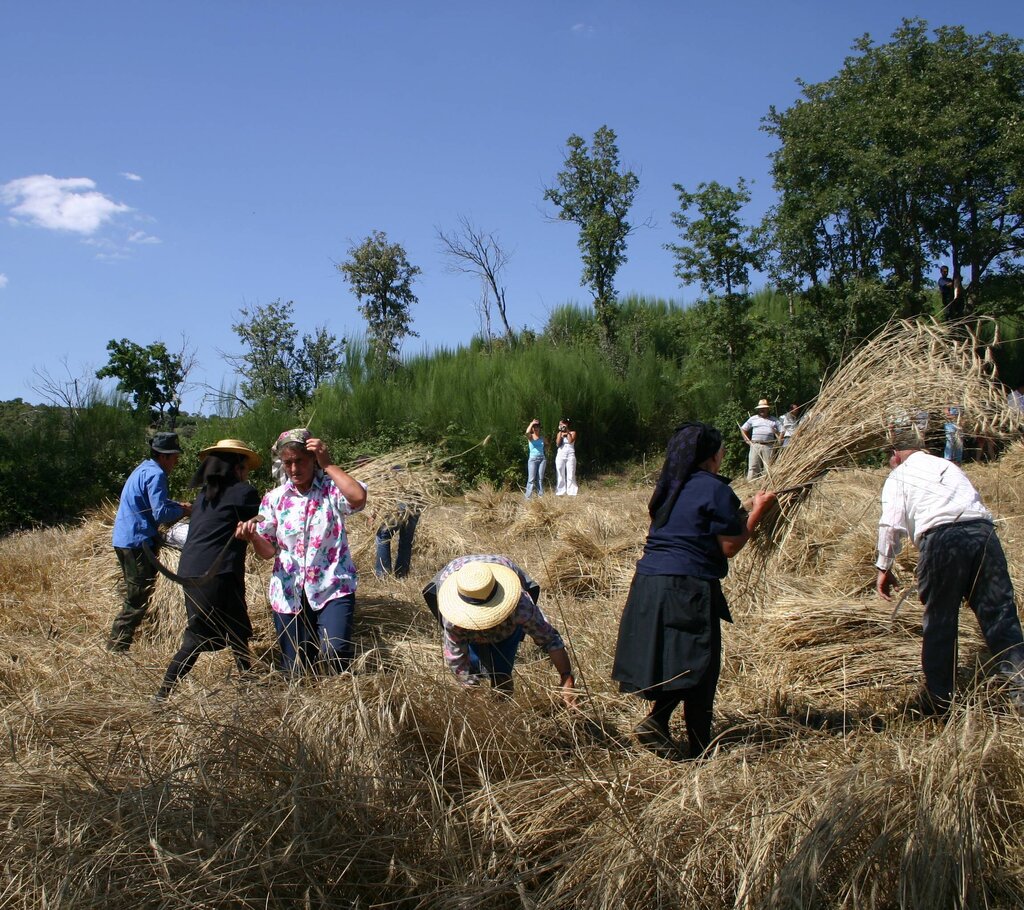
x=301 y=526
x=761 y=433
x=565 y=459
x=402 y=523
x=960 y=558
x=217 y=614
x=486 y=605
x=536 y=460
x=669 y=648
x=954 y=448
x=144 y=505
x=946 y=292
x=789 y=423
x=1015 y=400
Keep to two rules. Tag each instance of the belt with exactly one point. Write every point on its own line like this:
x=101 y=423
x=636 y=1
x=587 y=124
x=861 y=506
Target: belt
x=950 y=524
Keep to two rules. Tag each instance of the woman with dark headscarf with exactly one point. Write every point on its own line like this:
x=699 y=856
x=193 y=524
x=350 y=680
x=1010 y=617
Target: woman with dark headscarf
x=217 y=615
x=669 y=649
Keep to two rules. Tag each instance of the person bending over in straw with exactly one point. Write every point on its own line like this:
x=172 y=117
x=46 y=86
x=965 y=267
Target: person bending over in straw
x=486 y=605
x=931 y=501
x=669 y=649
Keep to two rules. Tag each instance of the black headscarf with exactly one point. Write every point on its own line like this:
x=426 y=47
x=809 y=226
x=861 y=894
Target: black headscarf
x=216 y=473
x=690 y=445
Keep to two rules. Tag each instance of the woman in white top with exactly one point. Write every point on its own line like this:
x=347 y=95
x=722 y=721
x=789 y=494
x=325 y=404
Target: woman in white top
x=565 y=459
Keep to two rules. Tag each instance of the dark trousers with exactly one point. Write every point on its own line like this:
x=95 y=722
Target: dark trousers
x=965 y=561
x=139 y=579
x=316 y=638
x=405 y=527
x=698 y=701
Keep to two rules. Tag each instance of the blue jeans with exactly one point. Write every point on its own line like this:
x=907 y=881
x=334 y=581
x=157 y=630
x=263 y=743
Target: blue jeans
x=496 y=661
x=316 y=637
x=535 y=475
x=405 y=526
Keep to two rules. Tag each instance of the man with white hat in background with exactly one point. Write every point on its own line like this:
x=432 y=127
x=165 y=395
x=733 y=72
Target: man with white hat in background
x=761 y=433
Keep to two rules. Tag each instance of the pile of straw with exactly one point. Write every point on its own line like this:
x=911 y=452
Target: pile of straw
x=393 y=786
x=906 y=370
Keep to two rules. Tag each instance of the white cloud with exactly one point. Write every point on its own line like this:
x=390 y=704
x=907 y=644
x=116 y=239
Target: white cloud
x=60 y=204
x=581 y=28
x=143 y=237
x=3 y=280
x=128 y=175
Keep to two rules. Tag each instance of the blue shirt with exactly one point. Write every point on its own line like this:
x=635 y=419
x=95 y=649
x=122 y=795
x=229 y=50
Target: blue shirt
x=145 y=503
x=687 y=544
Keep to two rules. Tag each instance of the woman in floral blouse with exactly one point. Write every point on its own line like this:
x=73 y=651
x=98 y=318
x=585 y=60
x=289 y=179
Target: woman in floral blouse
x=301 y=526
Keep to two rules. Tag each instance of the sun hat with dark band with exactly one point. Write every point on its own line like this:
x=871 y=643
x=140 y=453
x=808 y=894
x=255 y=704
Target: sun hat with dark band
x=234 y=447
x=479 y=595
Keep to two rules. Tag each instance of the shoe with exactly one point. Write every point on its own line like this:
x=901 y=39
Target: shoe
x=655 y=738
x=927 y=704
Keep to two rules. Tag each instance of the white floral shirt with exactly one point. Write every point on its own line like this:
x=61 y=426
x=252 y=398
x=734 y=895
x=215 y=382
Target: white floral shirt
x=313 y=555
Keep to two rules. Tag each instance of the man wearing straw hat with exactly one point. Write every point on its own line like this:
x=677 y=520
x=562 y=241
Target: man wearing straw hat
x=932 y=501
x=761 y=433
x=485 y=611
x=145 y=504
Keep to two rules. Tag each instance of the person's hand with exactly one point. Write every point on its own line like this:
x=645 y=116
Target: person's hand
x=886 y=580
x=246 y=530
x=319 y=450
x=186 y=508
x=569 y=691
x=762 y=500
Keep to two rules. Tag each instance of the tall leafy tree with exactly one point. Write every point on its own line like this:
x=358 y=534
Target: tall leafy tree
x=274 y=365
x=912 y=152
x=380 y=276
x=595 y=193
x=151 y=376
x=718 y=250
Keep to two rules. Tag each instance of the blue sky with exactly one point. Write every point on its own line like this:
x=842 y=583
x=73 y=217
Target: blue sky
x=164 y=164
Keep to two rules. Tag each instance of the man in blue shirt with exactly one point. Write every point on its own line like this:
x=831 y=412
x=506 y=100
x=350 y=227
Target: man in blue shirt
x=145 y=504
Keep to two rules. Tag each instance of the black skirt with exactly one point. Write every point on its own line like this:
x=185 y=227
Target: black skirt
x=217 y=613
x=665 y=634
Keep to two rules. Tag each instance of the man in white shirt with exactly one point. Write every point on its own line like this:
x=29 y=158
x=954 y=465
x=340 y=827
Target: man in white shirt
x=931 y=501
x=761 y=433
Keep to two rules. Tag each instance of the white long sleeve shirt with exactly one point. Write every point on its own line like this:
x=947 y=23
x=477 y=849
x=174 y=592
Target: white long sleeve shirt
x=922 y=493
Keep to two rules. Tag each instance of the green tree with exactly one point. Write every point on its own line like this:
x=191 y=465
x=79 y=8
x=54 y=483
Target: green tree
x=718 y=249
x=913 y=152
x=596 y=194
x=274 y=366
x=381 y=277
x=151 y=376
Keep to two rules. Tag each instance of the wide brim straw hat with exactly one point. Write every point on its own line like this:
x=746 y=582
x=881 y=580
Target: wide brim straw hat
x=480 y=595
x=234 y=447
x=763 y=403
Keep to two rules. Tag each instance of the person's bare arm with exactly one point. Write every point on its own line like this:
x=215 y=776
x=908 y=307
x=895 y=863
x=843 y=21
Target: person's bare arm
x=347 y=485
x=732 y=544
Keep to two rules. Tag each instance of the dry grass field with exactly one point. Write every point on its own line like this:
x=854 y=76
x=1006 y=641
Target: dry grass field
x=394 y=787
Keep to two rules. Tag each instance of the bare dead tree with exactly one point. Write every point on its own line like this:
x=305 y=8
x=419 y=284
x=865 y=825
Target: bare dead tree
x=474 y=251
x=72 y=393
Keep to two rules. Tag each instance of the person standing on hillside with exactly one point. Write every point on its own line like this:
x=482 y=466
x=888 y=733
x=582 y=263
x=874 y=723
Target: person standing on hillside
x=933 y=502
x=565 y=459
x=536 y=460
x=946 y=292
x=760 y=433
x=144 y=505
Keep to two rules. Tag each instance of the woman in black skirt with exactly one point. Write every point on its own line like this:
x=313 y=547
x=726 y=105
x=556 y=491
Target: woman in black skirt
x=669 y=649
x=217 y=615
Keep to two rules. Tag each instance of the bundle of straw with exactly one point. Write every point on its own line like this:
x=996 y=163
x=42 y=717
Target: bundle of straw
x=909 y=369
x=408 y=476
